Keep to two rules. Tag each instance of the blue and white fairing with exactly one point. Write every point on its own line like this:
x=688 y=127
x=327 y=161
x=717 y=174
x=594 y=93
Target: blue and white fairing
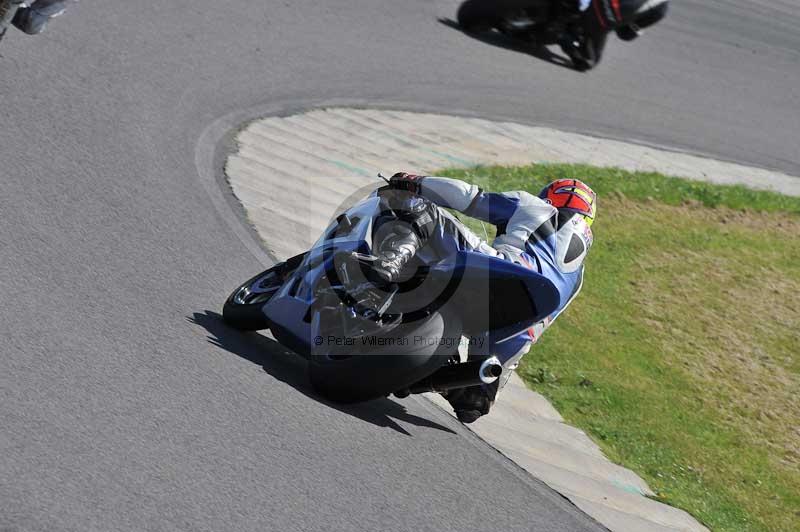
x=526 y=236
x=289 y=310
x=496 y=298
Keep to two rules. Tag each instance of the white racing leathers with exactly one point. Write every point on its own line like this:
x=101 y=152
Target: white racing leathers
x=528 y=234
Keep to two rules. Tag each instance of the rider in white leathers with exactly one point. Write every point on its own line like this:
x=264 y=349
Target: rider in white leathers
x=550 y=233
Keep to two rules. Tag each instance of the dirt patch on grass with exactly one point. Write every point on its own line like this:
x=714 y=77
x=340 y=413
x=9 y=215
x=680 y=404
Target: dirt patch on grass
x=728 y=316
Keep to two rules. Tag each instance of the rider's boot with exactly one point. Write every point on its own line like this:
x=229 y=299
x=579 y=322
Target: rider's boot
x=472 y=402
x=417 y=218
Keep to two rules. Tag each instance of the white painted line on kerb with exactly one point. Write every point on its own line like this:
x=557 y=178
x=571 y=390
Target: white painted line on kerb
x=294 y=174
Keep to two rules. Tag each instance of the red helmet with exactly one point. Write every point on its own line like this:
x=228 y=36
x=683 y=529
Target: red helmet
x=571 y=195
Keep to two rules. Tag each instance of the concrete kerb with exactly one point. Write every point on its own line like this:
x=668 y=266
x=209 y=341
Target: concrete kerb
x=277 y=176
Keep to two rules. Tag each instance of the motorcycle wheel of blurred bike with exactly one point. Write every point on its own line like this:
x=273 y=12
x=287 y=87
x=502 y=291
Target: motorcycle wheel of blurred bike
x=476 y=16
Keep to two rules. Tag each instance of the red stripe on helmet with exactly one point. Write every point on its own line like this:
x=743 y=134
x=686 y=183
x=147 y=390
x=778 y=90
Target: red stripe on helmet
x=581 y=205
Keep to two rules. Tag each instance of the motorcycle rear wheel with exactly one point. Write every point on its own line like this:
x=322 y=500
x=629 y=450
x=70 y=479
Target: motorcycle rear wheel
x=476 y=16
x=377 y=371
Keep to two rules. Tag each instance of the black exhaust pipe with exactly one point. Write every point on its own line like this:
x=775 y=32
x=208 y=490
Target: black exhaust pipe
x=456 y=376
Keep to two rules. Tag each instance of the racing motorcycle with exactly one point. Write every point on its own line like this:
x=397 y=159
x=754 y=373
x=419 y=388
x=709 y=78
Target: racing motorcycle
x=363 y=339
x=538 y=22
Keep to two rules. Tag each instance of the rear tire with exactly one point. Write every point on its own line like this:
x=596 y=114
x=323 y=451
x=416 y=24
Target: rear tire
x=581 y=65
x=376 y=372
x=477 y=16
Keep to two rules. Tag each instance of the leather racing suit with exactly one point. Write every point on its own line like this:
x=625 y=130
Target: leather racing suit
x=530 y=232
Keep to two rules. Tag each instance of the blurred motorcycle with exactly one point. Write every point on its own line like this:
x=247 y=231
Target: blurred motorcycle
x=579 y=27
x=538 y=22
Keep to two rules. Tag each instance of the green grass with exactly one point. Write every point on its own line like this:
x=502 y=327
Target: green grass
x=681 y=355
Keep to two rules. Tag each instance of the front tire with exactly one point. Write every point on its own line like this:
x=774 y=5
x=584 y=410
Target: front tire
x=581 y=65
x=243 y=308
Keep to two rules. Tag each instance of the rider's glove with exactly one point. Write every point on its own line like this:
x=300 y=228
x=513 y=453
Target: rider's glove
x=403 y=181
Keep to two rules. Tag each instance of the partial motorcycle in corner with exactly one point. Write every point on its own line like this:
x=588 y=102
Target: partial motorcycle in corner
x=31 y=18
x=8 y=8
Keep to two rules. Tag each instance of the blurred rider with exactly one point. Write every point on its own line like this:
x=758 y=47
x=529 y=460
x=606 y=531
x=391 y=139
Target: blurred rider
x=600 y=17
x=549 y=233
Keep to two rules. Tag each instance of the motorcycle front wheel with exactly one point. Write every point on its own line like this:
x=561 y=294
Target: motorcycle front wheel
x=243 y=308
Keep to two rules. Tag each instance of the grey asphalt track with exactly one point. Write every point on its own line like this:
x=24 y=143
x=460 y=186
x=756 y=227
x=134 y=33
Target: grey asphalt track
x=125 y=404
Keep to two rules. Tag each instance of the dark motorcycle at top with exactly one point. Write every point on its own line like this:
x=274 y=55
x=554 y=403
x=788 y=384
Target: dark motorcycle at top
x=538 y=22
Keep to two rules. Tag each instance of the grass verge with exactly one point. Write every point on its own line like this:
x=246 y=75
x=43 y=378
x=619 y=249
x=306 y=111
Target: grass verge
x=681 y=355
